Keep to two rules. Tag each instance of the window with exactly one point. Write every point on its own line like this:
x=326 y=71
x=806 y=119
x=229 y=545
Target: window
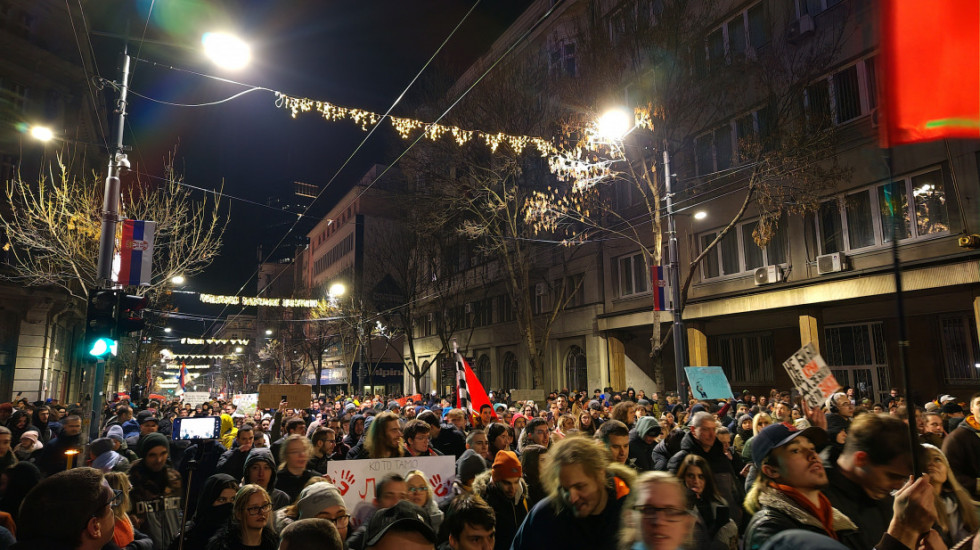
x=856 y=355
x=747 y=359
x=508 y=371
x=505 y=309
x=848 y=94
x=719 y=149
x=576 y=370
x=540 y=303
x=483 y=370
x=562 y=59
x=575 y=290
x=634 y=277
x=864 y=218
x=961 y=354
x=482 y=312
x=737 y=252
x=731 y=40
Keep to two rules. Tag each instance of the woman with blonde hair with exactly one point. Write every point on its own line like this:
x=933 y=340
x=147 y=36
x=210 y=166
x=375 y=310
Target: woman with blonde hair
x=420 y=493
x=294 y=456
x=956 y=511
x=249 y=526
x=566 y=423
x=123 y=534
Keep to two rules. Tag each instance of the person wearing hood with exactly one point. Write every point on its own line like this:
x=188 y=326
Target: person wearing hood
x=260 y=469
x=317 y=500
x=18 y=480
x=468 y=467
x=355 y=432
x=19 y=423
x=40 y=421
x=52 y=458
x=228 y=430
x=214 y=505
x=104 y=458
x=743 y=432
x=643 y=438
x=115 y=434
x=156 y=493
x=504 y=489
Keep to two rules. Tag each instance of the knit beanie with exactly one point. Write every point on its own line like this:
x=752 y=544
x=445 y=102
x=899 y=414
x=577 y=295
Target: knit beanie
x=116 y=432
x=314 y=498
x=469 y=466
x=100 y=445
x=30 y=434
x=506 y=465
x=153 y=440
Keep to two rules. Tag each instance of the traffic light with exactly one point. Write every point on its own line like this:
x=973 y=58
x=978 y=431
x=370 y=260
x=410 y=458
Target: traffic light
x=100 y=323
x=128 y=316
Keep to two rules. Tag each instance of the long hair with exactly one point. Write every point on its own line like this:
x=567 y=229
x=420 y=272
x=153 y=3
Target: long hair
x=120 y=482
x=284 y=448
x=374 y=440
x=630 y=532
x=965 y=506
x=428 y=488
x=586 y=430
x=755 y=422
x=696 y=461
x=573 y=450
x=238 y=512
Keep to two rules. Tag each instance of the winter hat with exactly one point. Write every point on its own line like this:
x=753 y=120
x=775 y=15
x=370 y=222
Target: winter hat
x=469 y=466
x=100 y=445
x=500 y=407
x=116 y=432
x=697 y=408
x=506 y=465
x=314 y=498
x=146 y=416
x=152 y=441
x=952 y=408
x=932 y=406
x=30 y=434
x=514 y=418
x=647 y=425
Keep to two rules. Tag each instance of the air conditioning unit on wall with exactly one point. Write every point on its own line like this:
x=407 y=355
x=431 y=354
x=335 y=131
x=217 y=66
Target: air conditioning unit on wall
x=800 y=28
x=831 y=263
x=768 y=275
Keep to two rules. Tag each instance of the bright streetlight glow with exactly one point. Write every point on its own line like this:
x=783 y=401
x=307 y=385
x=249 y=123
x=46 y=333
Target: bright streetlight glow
x=700 y=215
x=337 y=290
x=268 y=332
x=167 y=330
x=615 y=124
x=42 y=133
x=178 y=280
x=225 y=50
x=238 y=349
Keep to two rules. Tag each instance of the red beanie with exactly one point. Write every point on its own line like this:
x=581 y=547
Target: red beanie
x=506 y=465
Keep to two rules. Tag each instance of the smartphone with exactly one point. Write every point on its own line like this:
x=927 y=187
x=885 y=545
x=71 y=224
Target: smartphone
x=284 y=398
x=198 y=428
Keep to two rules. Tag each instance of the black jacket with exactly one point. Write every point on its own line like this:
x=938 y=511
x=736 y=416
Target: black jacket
x=779 y=514
x=872 y=515
x=509 y=513
x=232 y=462
x=229 y=538
x=667 y=448
x=450 y=441
x=726 y=478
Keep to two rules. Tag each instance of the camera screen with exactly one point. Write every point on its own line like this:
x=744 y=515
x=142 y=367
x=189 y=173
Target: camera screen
x=198 y=428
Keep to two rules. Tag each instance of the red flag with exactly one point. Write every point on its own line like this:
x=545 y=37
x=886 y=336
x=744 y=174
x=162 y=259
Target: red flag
x=931 y=81
x=470 y=394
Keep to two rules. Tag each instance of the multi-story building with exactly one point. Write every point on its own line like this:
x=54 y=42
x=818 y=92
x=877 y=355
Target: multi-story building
x=825 y=276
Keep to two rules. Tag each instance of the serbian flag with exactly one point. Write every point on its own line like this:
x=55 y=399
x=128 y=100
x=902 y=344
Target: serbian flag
x=135 y=253
x=470 y=395
x=931 y=60
x=659 y=287
x=182 y=375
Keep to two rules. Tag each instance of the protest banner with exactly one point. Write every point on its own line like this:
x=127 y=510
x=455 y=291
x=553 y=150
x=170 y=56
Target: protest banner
x=298 y=395
x=195 y=398
x=708 y=382
x=246 y=402
x=811 y=376
x=357 y=479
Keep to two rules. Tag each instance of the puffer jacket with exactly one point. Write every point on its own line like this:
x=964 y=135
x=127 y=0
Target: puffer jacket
x=156 y=505
x=779 y=513
x=509 y=513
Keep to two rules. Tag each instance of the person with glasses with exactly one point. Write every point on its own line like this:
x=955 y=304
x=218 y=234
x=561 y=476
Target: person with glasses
x=71 y=509
x=417 y=435
x=214 y=506
x=317 y=500
x=249 y=527
x=659 y=517
x=420 y=493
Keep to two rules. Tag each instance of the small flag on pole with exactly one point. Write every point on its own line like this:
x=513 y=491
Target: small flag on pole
x=470 y=395
x=931 y=77
x=182 y=376
x=136 y=253
x=659 y=286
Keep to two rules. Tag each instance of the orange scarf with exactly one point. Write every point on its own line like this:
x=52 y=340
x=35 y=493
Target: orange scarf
x=972 y=422
x=122 y=534
x=824 y=513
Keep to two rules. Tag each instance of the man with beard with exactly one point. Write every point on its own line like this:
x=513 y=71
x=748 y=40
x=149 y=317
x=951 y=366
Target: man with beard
x=586 y=504
x=156 y=492
x=52 y=457
x=504 y=489
x=383 y=439
x=40 y=421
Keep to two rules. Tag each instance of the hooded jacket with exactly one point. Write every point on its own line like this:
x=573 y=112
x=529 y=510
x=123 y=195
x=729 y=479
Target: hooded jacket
x=351 y=439
x=641 y=452
x=962 y=449
x=279 y=498
x=228 y=430
x=510 y=513
x=156 y=503
x=208 y=518
x=44 y=431
x=726 y=479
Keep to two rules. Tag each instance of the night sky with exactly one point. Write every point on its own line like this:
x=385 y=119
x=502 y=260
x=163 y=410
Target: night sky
x=356 y=54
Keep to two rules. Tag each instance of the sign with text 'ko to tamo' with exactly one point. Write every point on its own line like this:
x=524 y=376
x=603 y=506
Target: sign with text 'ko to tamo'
x=811 y=375
x=357 y=479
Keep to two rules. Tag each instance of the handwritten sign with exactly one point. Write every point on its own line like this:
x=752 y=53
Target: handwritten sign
x=811 y=376
x=708 y=382
x=298 y=395
x=246 y=402
x=195 y=398
x=357 y=479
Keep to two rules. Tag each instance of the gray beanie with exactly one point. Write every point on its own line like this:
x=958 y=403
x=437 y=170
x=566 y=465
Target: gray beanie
x=314 y=498
x=469 y=466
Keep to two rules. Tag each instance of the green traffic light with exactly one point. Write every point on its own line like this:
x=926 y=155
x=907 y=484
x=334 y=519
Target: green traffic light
x=102 y=347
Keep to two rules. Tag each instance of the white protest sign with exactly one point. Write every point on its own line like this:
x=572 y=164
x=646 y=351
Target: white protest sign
x=357 y=479
x=246 y=402
x=811 y=375
x=195 y=398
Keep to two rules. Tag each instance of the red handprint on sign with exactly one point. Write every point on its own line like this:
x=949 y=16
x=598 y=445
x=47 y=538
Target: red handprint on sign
x=345 y=481
x=439 y=488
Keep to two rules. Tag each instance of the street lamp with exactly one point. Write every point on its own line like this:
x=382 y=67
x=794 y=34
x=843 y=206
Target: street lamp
x=178 y=280
x=337 y=290
x=225 y=50
x=42 y=133
x=614 y=124
x=700 y=215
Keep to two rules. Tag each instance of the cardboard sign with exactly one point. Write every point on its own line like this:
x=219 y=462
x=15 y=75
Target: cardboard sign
x=708 y=382
x=246 y=402
x=357 y=479
x=195 y=398
x=811 y=376
x=298 y=395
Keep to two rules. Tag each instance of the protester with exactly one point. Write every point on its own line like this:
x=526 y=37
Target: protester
x=317 y=500
x=28 y=445
x=962 y=448
x=420 y=494
x=104 y=458
x=85 y=521
x=470 y=524
x=156 y=493
x=293 y=474
x=311 y=534
x=249 y=525
x=659 y=517
x=54 y=457
x=956 y=511
x=399 y=527
x=214 y=507
x=17 y=481
x=260 y=469
x=715 y=528
x=477 y=440
x=503 y=488
x=642 y=440
x=124 y=535
x=232 y=461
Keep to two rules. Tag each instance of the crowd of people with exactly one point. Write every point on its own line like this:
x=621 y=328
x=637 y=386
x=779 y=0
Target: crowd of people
x=611 y=470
